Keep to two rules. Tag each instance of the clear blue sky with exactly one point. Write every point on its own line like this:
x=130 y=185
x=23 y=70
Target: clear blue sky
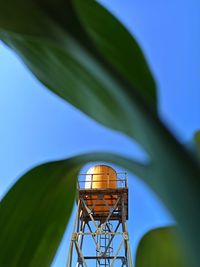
x=36 y=126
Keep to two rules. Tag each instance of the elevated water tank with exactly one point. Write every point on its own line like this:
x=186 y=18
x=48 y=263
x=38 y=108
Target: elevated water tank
x=101 y=177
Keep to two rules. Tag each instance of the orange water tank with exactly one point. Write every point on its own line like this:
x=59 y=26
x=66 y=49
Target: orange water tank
x=101 y=177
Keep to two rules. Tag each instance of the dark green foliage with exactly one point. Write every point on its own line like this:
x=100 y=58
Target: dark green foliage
x=160 y=247
x=197 y=141
x=34 y=214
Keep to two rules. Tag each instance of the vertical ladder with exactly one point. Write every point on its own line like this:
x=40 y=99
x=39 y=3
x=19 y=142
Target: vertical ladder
x=106 y=249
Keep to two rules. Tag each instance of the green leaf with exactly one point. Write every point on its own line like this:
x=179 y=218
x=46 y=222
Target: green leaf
x=34 y=214
x=65 y=51
x=35 y=211
x=160 y=248
x=197 y=141
x=118 y=46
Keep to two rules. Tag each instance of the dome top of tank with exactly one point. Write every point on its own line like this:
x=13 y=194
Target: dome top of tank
x=101 y=168
x=100 y=177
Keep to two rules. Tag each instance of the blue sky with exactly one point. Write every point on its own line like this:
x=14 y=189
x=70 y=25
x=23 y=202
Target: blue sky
x=37 y=126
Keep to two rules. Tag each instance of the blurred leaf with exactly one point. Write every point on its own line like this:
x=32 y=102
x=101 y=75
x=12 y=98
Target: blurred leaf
x=197 y=141
x=35 y=212
x=160 y=248
x=118 y=46
x=61 y=50
x=75 y=63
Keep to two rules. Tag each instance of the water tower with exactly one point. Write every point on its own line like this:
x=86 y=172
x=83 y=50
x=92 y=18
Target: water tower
x=100 y=236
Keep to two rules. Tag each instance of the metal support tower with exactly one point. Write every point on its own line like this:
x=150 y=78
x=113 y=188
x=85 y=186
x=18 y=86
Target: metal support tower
x=100 y=238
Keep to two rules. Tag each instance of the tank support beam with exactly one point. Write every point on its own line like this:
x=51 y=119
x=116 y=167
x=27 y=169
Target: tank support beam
x=90 y=224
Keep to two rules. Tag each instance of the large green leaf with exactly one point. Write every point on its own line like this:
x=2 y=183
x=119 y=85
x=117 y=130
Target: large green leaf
x=73 y=60
x=197 y=141
x=66 y=61
x=35 y=212
x=109 y=36
x=118 y=46
x=160 y=248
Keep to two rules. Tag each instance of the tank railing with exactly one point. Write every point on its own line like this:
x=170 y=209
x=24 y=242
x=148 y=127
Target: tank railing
x=85 y=180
